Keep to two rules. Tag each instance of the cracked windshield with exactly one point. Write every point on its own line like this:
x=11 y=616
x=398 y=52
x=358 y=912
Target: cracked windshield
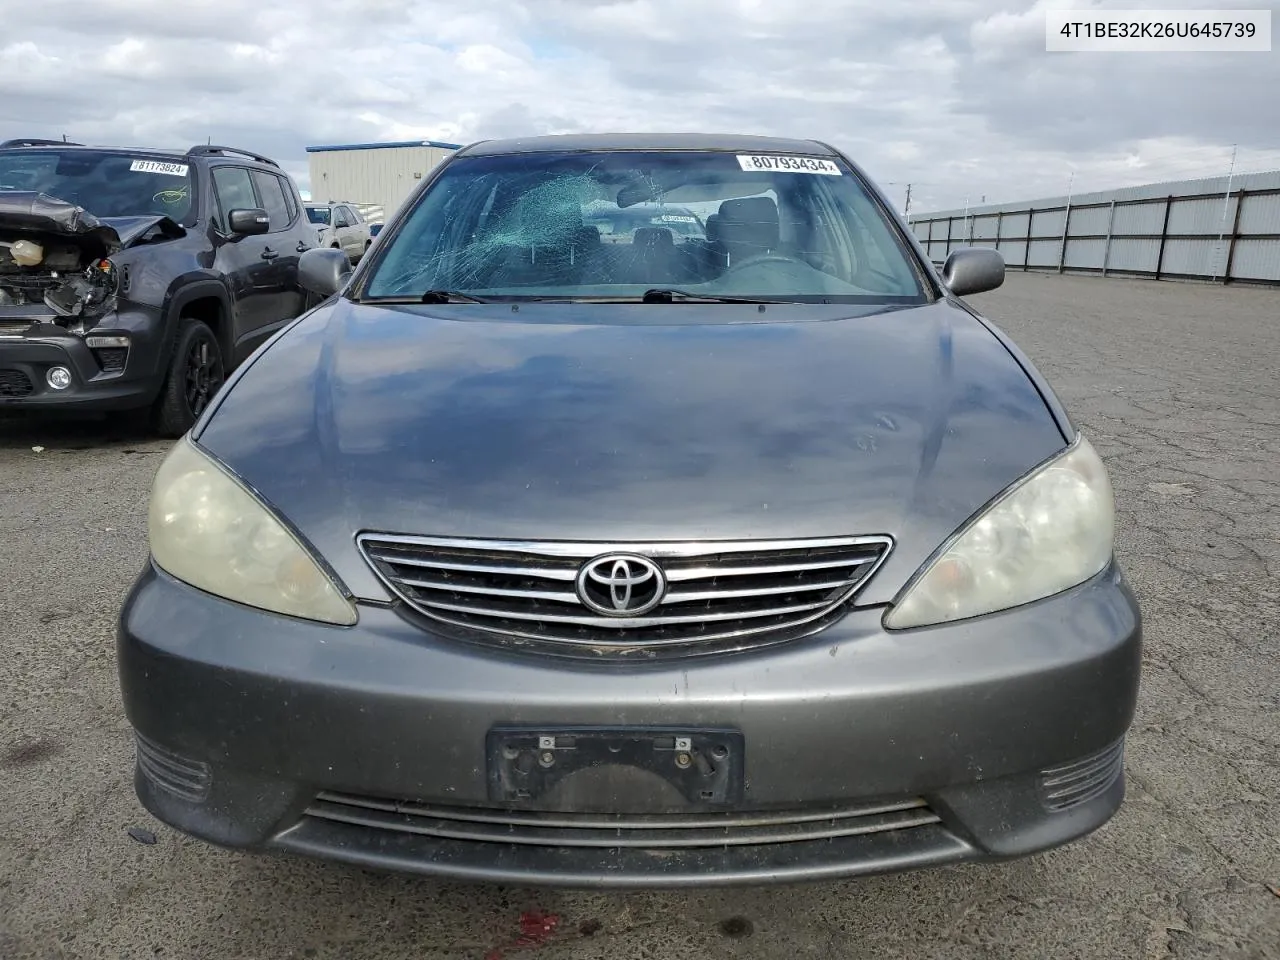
x=618 y=225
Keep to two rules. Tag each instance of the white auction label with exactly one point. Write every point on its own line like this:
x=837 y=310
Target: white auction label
x=788 y=164
x=158 y=166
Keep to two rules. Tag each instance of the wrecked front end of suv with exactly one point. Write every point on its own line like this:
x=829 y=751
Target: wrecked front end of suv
x=64 y=282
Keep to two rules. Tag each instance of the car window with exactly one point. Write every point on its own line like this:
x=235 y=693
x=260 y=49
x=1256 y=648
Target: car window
x=318 y=215
x=616 y=223
x=353 y=216
x=343 y=218
x=271 y=192
x=620 y=226
x=290 y=197
x=234 y=190
x=107 y=184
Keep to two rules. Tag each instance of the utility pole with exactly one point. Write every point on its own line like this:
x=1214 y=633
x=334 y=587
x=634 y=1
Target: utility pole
x=1226 y=205
x=907 y=208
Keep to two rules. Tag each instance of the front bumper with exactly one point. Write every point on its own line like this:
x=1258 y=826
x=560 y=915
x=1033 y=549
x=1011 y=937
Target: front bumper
x=866 y=751
x=105 y=379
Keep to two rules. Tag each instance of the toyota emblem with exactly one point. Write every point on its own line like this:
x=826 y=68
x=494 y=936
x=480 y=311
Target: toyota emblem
x=621 y=585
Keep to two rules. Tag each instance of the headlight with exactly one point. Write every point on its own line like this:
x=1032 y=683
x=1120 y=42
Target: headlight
x=1050 y=531
x=206 y=529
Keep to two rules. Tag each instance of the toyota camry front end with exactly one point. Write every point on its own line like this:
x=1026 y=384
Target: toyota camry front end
x=746 y=554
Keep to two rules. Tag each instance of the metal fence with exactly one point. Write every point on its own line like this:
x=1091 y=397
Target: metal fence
x=1218 y=229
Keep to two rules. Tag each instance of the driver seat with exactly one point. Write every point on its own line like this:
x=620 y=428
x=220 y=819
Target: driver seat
x=747 y=227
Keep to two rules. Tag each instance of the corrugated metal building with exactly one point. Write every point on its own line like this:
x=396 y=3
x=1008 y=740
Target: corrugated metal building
x=1211 y=229
x=376 y=176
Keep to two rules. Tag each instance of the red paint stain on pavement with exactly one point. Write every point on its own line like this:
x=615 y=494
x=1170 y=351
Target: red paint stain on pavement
x=535 y=930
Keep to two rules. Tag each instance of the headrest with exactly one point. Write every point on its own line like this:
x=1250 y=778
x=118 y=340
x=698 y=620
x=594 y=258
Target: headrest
x=749 y=220
x=713 y=228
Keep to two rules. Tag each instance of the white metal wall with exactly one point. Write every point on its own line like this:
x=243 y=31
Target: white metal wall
x=1195 y=229
x=375 y=177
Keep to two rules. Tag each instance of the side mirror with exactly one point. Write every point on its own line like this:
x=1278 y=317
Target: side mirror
x=323 y=271
x=248 y=222
x=973 y=270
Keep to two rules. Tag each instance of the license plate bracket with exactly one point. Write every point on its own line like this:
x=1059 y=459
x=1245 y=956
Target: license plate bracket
x=704 y=764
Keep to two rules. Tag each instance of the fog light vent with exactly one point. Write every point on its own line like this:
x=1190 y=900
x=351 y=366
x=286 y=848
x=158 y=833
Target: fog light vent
x=111 y=359
x=178 y=775
x=1072 y=784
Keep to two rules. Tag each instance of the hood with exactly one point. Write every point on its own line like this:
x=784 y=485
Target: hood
x=42 y=216
x=132 y=230
x=613 y=423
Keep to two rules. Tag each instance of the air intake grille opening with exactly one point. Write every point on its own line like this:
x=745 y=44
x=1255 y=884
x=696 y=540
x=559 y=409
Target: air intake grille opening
x=1072 y=784
x=15 y=383
x=184 y=778
x=667 y=832
x=717 y=595
x=111 y=359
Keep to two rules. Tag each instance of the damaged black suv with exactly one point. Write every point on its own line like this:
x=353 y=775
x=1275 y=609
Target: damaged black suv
x=137 y=279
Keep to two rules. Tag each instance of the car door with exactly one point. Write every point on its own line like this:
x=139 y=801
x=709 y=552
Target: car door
x=286 y=298
x=356 y=232
x=338 y=224
x=246 y=261
x=342 y=217
x=319 y=231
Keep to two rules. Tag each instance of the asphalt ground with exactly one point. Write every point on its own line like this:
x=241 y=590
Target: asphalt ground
x=1179 y=388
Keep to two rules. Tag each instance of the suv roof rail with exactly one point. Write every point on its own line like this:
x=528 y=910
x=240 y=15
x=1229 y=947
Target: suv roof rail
x=213 y=150
x=35 y=142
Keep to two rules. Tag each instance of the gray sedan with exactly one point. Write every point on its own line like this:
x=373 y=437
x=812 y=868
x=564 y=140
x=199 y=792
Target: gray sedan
x=746 y=557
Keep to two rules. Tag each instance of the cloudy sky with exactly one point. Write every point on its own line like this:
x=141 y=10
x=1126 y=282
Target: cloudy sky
x=957 y=97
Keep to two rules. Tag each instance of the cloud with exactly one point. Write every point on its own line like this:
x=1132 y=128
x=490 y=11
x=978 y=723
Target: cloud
x=956 y=97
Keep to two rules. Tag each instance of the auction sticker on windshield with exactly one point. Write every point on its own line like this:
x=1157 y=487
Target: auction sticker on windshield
x=157 y=166
x=788 y=164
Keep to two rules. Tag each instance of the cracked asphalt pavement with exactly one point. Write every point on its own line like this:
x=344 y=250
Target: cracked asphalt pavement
x=1178 y=386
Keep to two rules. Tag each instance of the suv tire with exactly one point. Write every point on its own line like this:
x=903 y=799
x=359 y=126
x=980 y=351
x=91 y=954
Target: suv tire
x=196 y=372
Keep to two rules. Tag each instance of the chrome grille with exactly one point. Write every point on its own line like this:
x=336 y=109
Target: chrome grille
x=719 y=594
x=15 y=328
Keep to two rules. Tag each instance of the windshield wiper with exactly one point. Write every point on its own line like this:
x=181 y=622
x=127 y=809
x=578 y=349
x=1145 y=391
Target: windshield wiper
x=450 y=296
x=431 y=296
x=663 y=295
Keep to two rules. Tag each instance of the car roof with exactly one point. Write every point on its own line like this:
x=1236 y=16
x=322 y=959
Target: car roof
x=645 y=141
x=77 y=147
x=183 y=154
